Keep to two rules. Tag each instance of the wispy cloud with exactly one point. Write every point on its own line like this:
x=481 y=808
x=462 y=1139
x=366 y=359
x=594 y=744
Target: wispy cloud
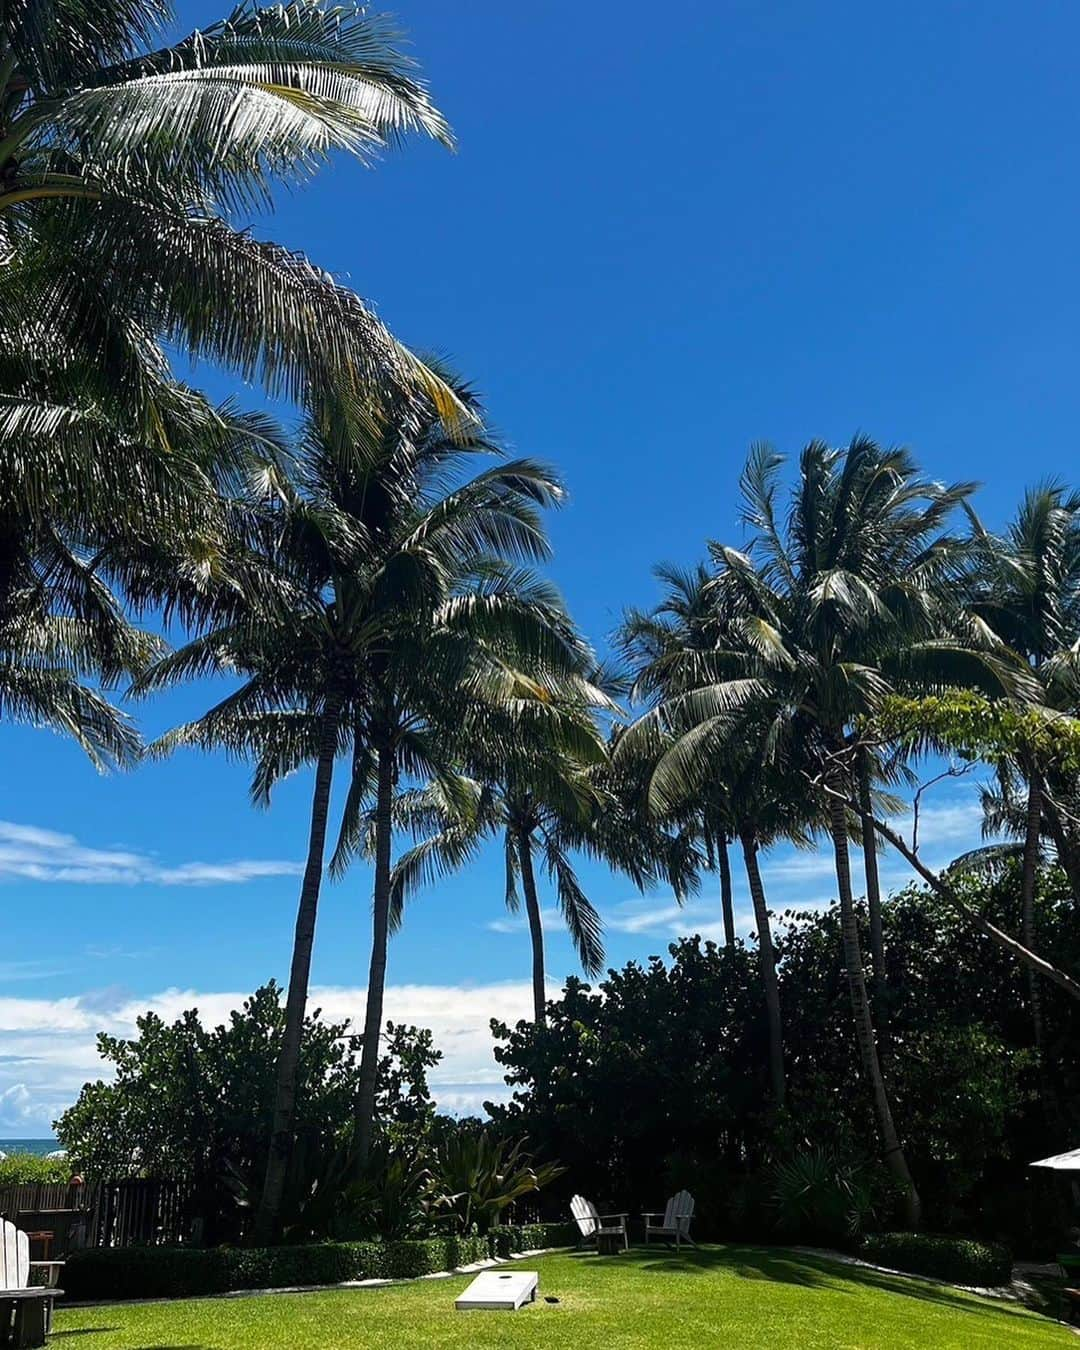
x=28 y=853
x=519 y=923
x=49 y=1044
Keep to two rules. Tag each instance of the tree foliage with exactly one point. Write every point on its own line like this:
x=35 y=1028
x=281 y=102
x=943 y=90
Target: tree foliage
x=658 y=1077
x=195 y=1103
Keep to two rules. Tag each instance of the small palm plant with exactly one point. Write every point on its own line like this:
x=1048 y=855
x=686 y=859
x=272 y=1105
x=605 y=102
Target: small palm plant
x=481 y=1175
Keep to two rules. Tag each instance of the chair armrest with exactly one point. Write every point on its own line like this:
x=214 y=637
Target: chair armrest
x=614 y=1216
x=653 y=1214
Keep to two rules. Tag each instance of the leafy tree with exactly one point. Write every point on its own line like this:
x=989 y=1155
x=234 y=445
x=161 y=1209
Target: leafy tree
x=197 y=1102
x=655 y=1076
x=683 y=1041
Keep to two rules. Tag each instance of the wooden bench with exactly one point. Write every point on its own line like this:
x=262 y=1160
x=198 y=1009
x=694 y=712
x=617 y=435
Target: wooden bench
x=25 y=1309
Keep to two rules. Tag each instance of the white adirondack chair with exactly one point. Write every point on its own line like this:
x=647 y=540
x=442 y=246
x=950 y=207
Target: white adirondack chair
x=25 y=1309
x=674 y=1225
x=593 y=1226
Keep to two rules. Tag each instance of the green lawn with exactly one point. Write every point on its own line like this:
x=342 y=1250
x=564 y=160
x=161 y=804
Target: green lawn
x=718 y=1296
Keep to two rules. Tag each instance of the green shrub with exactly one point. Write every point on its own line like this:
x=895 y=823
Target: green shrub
x=958 y=1260
x=23 y=1169
x=820 y=1195
x=510 y=1238
x=175 y=1272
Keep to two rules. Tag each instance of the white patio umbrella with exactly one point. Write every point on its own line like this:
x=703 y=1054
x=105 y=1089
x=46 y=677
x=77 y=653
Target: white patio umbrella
x=1061 y=1162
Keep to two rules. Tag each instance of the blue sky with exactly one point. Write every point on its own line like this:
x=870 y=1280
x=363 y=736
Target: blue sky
x=666 y=233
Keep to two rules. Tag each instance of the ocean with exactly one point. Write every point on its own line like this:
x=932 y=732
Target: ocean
x=28 y=1145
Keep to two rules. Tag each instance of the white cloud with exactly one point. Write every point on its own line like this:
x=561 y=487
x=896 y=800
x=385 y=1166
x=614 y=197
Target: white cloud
x=519 y=923
x=49 y=1044
x=16 y=1108
x=28 y=853
x=803 y=880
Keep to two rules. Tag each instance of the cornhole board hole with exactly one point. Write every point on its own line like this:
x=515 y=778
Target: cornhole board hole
x=500 y=1289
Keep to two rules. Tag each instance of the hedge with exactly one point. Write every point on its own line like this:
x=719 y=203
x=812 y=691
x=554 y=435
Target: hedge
x=110 y=1273
x=955 y=1259
x=23 y=1169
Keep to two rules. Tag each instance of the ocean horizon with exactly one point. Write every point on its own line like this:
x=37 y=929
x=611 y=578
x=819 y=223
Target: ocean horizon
x=28 y=1145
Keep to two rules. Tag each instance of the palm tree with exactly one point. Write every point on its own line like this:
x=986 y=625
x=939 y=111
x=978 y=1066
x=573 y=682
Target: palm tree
x=381 y=605
x=123 y=171
x=742 y=797
x=536 y=810
x=60 y=628
x=659 y=646
x=847 y=602
x=1005 y=812
x=1025 y=586
x=542 y=783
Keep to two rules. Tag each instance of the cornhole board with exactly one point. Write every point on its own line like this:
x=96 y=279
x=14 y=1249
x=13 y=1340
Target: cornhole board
x=500 y=1289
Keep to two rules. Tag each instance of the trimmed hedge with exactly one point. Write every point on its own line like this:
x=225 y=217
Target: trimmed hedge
x=957 y=1260
x=508 y=1239
x=109 y=1273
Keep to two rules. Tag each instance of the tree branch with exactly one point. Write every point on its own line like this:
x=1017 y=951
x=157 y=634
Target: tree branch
x=1023 y=954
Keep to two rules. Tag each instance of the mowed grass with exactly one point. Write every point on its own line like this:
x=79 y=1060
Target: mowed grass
x=716 y=1296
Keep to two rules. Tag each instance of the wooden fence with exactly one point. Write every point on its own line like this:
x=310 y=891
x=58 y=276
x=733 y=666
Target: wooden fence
x=134 y=1211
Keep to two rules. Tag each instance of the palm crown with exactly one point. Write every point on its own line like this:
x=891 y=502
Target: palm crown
x=121 y=167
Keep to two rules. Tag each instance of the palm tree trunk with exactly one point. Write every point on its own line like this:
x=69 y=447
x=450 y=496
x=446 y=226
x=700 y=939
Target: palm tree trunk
x=723 y=861
x=1032 y=836
x=281 y=1135
x=380 y=930
x=1065 y=841
x=536 y=926
x=892 y=1150
x=767 y=960
x=873 y=886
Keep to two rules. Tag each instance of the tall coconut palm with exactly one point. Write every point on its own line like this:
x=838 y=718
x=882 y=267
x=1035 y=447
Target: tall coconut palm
x=536 y=808
x=846 y=602
x=741 y=797
x=658 y=646
x=383 y=603
x=1025 y=585
x=1005 y=813
x=542 y=784
x=126 y=168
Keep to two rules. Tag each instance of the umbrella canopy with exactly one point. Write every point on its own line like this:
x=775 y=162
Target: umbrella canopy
x=1061 y=1162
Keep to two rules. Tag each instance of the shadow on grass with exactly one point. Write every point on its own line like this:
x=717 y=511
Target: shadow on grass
x=101 y=1331
x=81 y=1331
x=779 y=1265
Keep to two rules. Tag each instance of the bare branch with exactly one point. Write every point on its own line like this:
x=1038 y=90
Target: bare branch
x=953 y=771
x=1024 y=955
